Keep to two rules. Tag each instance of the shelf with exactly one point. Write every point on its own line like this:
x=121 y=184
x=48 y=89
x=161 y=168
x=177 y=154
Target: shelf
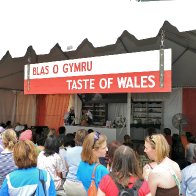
x=98 y=111
x=147 y=113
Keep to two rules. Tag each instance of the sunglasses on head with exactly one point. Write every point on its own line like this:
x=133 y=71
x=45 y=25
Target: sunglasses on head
x=96 y=137
x=151 y=139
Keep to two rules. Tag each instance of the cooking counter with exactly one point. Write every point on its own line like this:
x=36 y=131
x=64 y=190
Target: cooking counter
x=109 y=132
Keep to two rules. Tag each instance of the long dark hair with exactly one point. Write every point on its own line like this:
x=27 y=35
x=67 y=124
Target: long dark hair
x=51 y=145
x=124 y=165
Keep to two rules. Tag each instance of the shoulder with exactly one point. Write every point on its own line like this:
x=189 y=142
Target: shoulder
x=106 y=179
x=41 y=154
x=106 y=182
x=83 y=167
x=75 y=149
x=45 y=174
x=101 y=168
x=144 y=189
x=189 y=169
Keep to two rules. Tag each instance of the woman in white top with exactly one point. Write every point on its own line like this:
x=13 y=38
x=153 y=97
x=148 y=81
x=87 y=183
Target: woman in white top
x=164 y=178
x=50 y=160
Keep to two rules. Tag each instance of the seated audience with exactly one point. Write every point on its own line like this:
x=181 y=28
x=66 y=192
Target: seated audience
x=26 y=135
x=69 y=140
x=190 y=149
x=168 y=137
x=8 y=124
x=178 y=151
x=25 y=180
x=128 y=141
x=140 y=154
x=62 y=153
x=151 y=130
x=7 y=163
x=61 y=136
x=111 y=149
x=39 y=137
x=125 y=172
x=72 y=185
x=50 y=160
x=184 y=139
x=1 y=144
x=188 y=184
x=165 y=177
x=52 y=131
x=94 y=146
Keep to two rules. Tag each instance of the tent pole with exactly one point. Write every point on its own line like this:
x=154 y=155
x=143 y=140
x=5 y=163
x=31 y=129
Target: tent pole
x=76 y=108
x=128 y=122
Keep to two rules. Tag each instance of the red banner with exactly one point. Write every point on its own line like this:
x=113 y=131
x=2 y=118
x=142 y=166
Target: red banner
x=90 y=76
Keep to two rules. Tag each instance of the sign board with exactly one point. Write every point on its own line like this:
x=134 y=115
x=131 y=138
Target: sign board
x=122 y=73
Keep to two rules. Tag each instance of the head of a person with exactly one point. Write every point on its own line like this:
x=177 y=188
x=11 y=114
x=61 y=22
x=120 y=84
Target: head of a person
x=167 y=131
x=9 y=139
x=72 y=109
x=175 y=138
x=1 y=129
x=26 y=135
x=192 y=139
x=90 y=131
x=127 y=139
x=3 y=125
x=125 y=163
x=140 y=149
x=151 y=131
x=51 y=145
x=8 y=124
x=156 y=147
x=80 y=136
x=25 y=154
x=52 y=131
x=69 y=140
x=112 y=148
x=62 y=130
x=94 y=147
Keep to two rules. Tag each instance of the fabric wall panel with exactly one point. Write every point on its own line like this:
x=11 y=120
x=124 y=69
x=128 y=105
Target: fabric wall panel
x=189 y=107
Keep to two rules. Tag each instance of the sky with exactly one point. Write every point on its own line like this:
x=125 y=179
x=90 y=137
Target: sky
x=43 y=23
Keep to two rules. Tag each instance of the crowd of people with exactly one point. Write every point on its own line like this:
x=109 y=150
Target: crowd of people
x=56 y=163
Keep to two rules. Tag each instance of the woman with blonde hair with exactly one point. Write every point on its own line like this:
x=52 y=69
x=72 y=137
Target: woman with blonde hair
x=26 y=179
x=7 y=163
x=94 y=147
x=164 y=178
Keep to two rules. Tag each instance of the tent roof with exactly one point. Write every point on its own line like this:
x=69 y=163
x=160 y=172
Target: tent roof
x=183 y=46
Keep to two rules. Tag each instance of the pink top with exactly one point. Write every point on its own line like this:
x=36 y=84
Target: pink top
x=108 y=186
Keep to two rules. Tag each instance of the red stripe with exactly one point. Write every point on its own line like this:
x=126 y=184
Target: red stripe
x=134 y=82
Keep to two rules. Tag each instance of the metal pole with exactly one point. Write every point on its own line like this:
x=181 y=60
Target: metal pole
x=128 y=113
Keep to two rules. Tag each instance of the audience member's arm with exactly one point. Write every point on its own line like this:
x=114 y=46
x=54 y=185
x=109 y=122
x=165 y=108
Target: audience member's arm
x=183 y=184
x=66 y=165
x=146 y=171
x=152 y=183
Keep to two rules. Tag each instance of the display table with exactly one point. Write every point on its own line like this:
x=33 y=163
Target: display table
x=109 y=132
